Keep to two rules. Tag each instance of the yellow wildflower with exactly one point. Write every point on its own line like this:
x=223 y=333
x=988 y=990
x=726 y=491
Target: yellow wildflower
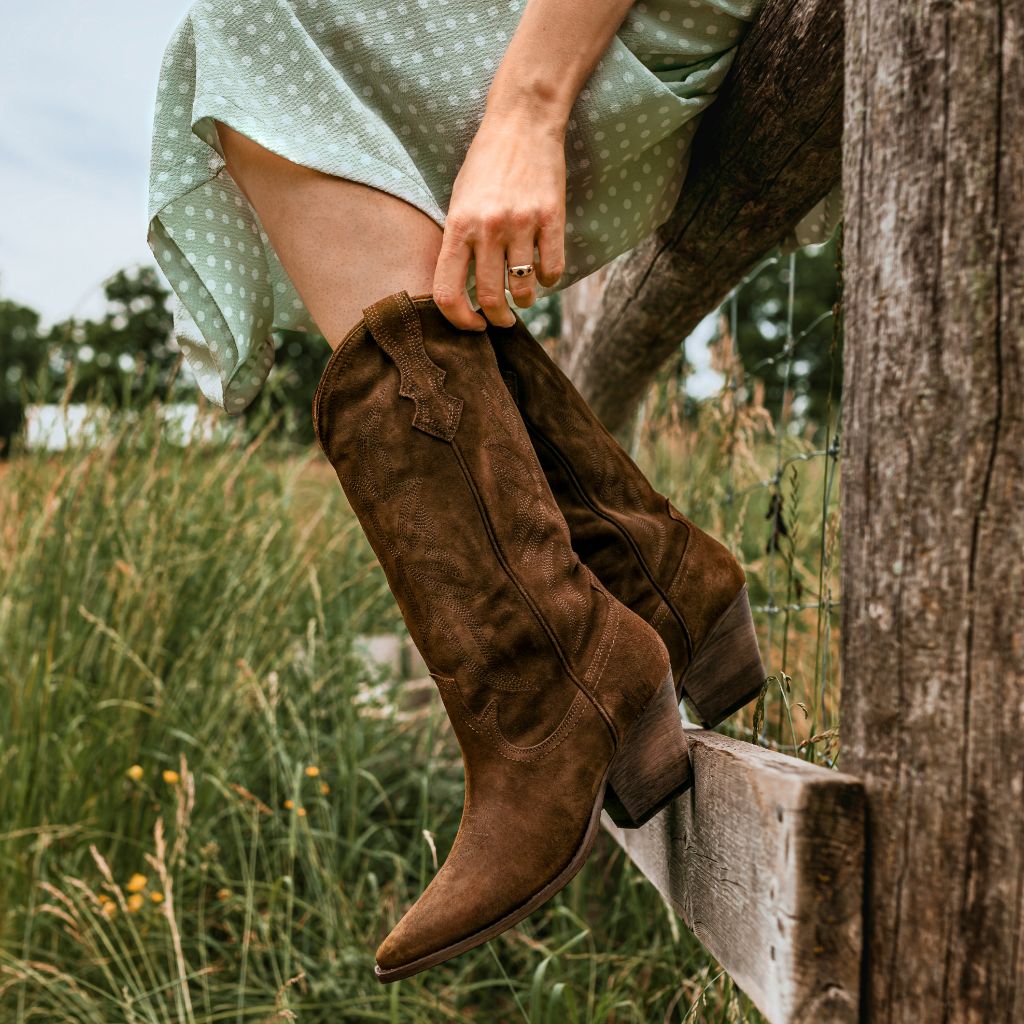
x=312 y=771
x=136 y=883
x=156 y=897
x=135 y=773
x=135 y=901
x=171 y=776
x=301 y=812
x=324 y=788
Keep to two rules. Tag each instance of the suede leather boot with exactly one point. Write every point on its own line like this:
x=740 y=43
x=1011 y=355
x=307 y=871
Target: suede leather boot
x=554 y=689
x=644 y=550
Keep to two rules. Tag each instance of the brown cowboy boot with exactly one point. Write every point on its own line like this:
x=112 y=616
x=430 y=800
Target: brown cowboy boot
x=644 y=550
x=554 y=689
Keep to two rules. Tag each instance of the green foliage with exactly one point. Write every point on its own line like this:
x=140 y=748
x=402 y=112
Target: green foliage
x=123 y=359
x=764 y=479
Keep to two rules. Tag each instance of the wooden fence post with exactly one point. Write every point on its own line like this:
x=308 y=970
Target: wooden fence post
x=933 y=500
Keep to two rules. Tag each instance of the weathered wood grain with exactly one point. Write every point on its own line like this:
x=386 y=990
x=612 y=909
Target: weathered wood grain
x=763 y=859
x=933 y=500
x=766 y=151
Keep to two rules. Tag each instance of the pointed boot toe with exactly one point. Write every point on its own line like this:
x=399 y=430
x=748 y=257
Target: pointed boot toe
x=410 y=940
x=554 y=688
x=508 y=858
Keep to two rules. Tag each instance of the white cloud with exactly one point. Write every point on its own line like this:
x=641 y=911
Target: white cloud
x=77 y=90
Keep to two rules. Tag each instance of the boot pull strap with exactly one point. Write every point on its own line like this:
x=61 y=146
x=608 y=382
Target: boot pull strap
x=395 y=326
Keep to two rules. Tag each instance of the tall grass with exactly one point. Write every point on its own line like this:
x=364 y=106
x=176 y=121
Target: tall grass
x=213 y=808
x=769 y=489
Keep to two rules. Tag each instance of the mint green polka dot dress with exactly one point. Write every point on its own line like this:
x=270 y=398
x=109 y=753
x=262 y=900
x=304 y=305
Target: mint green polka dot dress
x=389 y=93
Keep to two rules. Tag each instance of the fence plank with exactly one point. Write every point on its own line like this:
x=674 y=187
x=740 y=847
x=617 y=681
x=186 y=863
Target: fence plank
x=764 y=861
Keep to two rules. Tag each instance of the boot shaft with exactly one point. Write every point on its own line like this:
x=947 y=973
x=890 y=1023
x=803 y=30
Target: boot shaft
x=653 y=558
x=437 y=465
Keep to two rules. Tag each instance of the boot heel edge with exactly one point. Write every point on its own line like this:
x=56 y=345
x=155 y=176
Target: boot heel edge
x=726 y=672
x=652 y=764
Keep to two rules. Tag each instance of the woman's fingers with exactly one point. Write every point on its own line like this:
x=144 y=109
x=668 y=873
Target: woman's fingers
x=450 y=272
x=489 y=254
x=513 y=236
x=551 y=243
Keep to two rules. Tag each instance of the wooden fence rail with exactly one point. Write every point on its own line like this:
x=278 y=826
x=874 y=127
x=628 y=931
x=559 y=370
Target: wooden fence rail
x=764 y=861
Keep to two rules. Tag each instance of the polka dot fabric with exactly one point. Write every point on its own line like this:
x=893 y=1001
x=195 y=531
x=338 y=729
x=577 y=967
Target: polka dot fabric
x=390 y=94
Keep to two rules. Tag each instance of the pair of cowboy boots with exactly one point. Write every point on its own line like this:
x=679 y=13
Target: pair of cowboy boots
x=561 y=677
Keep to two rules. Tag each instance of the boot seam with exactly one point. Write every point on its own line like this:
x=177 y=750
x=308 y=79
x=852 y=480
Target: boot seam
x=485 y=725
x=524 y=593
x=604 y=651
x=676 y=579
x=420 y=379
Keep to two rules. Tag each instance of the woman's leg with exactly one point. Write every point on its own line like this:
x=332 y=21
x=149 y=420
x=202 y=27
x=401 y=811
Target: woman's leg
x=342 y=243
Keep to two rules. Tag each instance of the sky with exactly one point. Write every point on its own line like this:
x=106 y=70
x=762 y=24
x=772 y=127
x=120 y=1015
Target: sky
x=77 y=90
x=78 y=86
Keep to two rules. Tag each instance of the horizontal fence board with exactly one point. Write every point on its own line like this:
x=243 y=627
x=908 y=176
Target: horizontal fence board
x=764 y=861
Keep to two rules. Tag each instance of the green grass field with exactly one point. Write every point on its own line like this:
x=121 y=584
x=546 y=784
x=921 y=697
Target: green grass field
x=213 y=808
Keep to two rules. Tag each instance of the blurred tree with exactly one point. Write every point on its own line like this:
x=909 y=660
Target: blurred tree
x=22 y=355
x=127 y=356
x=761 y=322
x=544 y=317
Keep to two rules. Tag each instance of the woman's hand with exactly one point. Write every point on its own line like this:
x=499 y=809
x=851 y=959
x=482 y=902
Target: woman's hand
x=509 y=196
x=510 y=192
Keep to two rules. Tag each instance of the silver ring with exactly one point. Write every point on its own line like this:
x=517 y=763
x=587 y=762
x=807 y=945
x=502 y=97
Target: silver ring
x=521 y=269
